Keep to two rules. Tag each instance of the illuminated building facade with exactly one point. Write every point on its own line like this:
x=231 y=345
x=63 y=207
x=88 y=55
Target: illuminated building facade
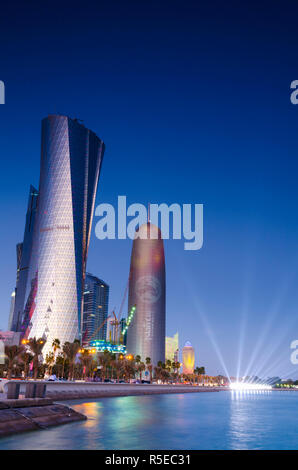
x=123 y=330
x=147 y=292
x=24 y=251
x=71 y=157
x=188 y=358
x=95 y=312
x=172 y=348
x=101 y=346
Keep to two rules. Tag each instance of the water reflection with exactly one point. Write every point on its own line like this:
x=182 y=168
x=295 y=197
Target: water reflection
x=224 y=420
x=247 y=428
x=247 y=394
x=93 y=411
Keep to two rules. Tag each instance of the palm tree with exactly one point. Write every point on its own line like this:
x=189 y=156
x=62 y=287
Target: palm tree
x=55 y=346
x=12 y=353
x=50 y=360
x=197 y=373
x=71 y=350
x=202 y=373
x=36 y=346
x=60 y=364
x=86 y=360
x=129 y=368
x=26 y=358
x=138 y=359
x=157 y=372
x=165 y=374
x=149 y=366
x=118 y=367
x=161 y=372
x=140 y=368
x=176 y=366
x=104 y=360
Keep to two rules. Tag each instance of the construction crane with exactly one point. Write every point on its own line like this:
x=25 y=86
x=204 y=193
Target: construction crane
x=98 y=329
x=116 y=323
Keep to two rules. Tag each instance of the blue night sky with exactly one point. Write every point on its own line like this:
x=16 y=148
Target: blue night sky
x=193 y=103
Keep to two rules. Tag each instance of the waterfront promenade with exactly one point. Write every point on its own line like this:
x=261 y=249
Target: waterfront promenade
x=79 y=390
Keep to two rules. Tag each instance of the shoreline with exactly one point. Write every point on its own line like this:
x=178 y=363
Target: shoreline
x=59 y=391
x=119 y=390
x=33 y=414
x=80 y=390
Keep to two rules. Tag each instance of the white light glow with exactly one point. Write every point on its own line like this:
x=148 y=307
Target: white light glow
x=242 y=386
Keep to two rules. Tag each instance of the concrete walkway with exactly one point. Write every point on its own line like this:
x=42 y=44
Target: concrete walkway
x=80 y=390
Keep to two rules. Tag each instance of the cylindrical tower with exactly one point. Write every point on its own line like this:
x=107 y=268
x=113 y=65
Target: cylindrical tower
x=188 y=358
x=147 y=289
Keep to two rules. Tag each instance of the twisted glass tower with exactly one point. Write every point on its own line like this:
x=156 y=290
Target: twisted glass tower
x=71 y=157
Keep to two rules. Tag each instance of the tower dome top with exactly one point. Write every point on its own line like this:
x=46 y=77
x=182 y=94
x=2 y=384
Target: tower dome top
x=147 y=231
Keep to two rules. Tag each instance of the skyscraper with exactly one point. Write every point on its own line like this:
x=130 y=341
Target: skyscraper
x=95 y=312
x=172 y=347
x=11 y=310
x=24 y=251
x=71 y=157
x=147 y=290
x=188 y=358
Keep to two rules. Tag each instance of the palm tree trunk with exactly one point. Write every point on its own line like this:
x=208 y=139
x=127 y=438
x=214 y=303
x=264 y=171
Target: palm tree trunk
x=9 y=371
x=35 y=368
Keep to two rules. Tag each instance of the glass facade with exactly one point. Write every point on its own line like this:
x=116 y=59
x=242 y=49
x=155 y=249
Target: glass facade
x=24 y=251
x=71 y=157
x=172 y=348
x=11 y=310
x=95 y=312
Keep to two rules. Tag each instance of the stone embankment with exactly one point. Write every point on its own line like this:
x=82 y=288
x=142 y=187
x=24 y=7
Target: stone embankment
x=30 y=414
x=81 y=390
x=92 y=390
